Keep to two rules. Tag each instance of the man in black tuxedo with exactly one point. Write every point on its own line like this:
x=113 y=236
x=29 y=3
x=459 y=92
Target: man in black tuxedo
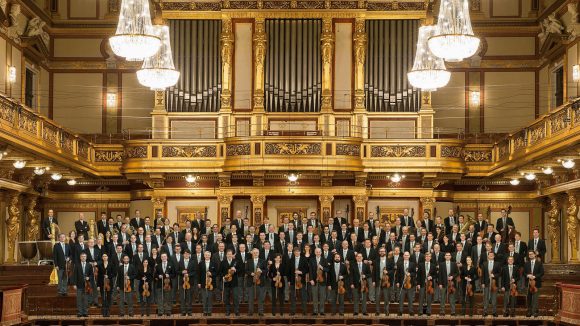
x=339 y=219
x=502 y=225
x=102 y=225
x=407 y=220
x=481 y=224
x=426 y=272
x=408 y=272
x=317 y=265
x=61 y=254
x=81 y=226
x=46 y=224
x=509 y=276
x=298 y=265
x=447 y=273
x=534 y=270
x=537 y=245
x=137 y=221
x=337 y=272
x=450 y=221
x=83 y=272
x=491 y=273
x=359 y=272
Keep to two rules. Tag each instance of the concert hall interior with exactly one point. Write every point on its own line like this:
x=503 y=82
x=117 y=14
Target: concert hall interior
x=289 y=162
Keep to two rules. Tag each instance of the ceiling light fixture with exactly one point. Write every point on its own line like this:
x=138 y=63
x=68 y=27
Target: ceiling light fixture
x=56 y=176
x=39 y=170
x=530 y=176
x=515 y=182
x=71 y=182
x=548 y=170
x=158 y=71
x=19 y=164
x=396 y=177
x=454 y=39
x=428 y=71
x=190 y=178
x=293 y=177
x=135 y=39
x=568 y=163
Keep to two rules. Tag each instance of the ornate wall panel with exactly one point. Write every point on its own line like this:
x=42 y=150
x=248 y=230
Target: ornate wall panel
x=451 y=151
x=477 y=156
x=398 y=151
x=293 y=149
x=238 y=149
x=136 y=152
x=28 y=122
x=108 y=156
x=348 y=149
x=189 y=151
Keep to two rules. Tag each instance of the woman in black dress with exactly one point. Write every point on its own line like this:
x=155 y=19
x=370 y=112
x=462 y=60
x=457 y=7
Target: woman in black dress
x=105 y=282
x=145 y=275
x=276 y=275
x=468 y=277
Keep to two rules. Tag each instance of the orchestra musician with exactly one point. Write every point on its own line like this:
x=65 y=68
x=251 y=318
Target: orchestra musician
x=208 y=271
x=406 y=282
x=383 y=281
x=164 y=274
x=468 y=277
x=106 y=275
x=256 y=270
x=125 y=278
x=491 y=272
x=336 y=283
x=509 y=280
x=82 y=279
x=145 y=275
x=297 y=271
x=276 y=275
x=229 y=275
x=61 y=254
x=318 y=269
x=534 y=272
x=447 y=274
x=426 y=273
x=47 y=224
x=187 y=271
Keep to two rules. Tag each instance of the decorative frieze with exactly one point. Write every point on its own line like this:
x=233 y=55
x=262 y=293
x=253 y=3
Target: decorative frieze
x=49 y=134
x=294 y=5
x=451 y=151
x=348 y=150
x=398 y=151
x=293 y=149
x=7 y=111
x=28 y=122
x=111 y=156
x=537 y=133
x=189 y=151
x=559 y=122
x=477 y=155
x=82 y=149
x=238 y=149
x=66 y=141
x=136 y=152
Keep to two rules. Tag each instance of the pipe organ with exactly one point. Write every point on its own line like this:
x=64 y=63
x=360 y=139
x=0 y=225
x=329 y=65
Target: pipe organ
x=293 y=66
x=196 y=51
x=389 y=56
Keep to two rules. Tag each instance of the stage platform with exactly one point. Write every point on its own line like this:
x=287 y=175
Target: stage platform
x=348 y=319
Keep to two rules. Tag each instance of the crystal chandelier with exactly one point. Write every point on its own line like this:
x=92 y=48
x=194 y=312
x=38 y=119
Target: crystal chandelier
x=158 y=71
x=428 y=71
x=454 y=39
x=134 y=39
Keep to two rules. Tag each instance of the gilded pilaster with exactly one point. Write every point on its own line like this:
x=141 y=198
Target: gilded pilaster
x=225 y=204
x=572 y=226
x=257 y=208
x=428 y=205
x=326 y=120
x=554 y=228
x=426 y=114
x=360 y=47
x=259 y=43
x=158 y=205
x=360 y=204
x=227 y=50
x=160 y=121
x=326 y=206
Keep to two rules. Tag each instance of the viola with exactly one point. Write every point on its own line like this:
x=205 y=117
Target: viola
x=429 y=288
x=407 y=284
x=320 y=275
x=208 y=282
x=229 y=276
x=479 y=271
x=493 y=285
x=364 y=286
x=298 y=282
x=88 y=288
x=385 y=281
x=166 y=284
x=107 y=284
x=186 y=285
x=513 y=289
x=258 y=277
x=69 y=269
x=278 y=281
x=146 y=292
x=532 y=286
x=450 y=287
x=127 y=287
x=341 y=289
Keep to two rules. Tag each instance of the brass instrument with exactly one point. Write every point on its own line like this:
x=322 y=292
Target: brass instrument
x=54 y=274
x=469 y=221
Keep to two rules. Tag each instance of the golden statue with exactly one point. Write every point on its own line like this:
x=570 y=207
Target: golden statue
x=92 y=229
x=13 y=224
x=572 y=226
x=33 y=230
x=554 y=229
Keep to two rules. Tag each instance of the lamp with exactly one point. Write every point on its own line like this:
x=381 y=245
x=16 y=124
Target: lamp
x=40 y=170
x=11 y=74
x=396 y=177
x=548 y=170
x=71 y=182
x=190 y=178
x=134 y=39
x=158 y=71
x=568 y=164
x=475 y=97
x=428 y=71
x=111 y=100
x=454 y=39
x=293 y=177
x=19 y=164
x=56 y=176
x=530 y=176
x=515 y=182
x=576 y=73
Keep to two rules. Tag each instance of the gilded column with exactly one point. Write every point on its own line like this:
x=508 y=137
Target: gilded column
x=554 y=228
x=360 y=47
x=572 y=226
x=159 y=121
x=227 y=50
x=225 y=203
x=259 y=44
x=158 y=205
x=13 y=225
x=360 y=205
x=257 y=208
x=327 y=49
x=325 y=207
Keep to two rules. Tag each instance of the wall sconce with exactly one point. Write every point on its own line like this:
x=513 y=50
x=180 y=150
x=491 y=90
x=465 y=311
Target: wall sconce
x=576 y=73
x=11 y=74
x=475 y=97
x=111 y=99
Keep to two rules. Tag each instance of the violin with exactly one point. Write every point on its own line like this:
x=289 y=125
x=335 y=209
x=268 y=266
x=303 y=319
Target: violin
x=258 y=276
x=186 y=285
x=107 y=284
x=513 y=290
x=385 y=281
x=69 y=269
x=407 y=284
x=364 y=286
x=208 y=282
x=429 y=289
x=450 y=287
x=532 y=286
x=298 y=284
x=479 y=271
x=341 y=289
x=166 y=284
x=88 y=288
x=469 y=289
x=493 y=285
x=229 y=276
x=278 y=281
x=146 y=292
x=127 y=287
x=320 y=275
